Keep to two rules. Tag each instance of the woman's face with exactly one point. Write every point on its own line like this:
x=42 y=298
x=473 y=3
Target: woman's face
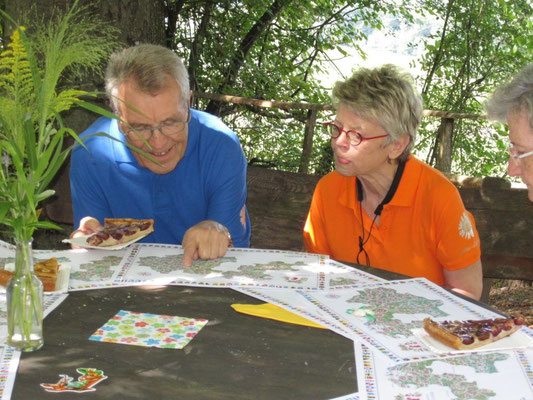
x=364 y=158
x=521 y=137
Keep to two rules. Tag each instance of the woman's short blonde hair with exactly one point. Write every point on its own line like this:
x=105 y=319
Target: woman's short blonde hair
x=385 y=95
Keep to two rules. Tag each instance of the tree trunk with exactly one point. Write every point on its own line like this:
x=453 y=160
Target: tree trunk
x=307 y=147
x=444 y=145
x=138 y=21
x=238 y=58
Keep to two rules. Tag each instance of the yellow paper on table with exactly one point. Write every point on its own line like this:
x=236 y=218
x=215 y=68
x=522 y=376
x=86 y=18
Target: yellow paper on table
x=274 y=312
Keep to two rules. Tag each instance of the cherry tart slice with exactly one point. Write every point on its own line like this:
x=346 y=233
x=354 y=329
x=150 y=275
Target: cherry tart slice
x=121 y=230
x=469 y=334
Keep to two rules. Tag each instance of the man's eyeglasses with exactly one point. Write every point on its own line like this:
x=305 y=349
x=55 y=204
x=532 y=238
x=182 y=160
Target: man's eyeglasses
x=168 y=129
x=354 y=137
x=516 y=156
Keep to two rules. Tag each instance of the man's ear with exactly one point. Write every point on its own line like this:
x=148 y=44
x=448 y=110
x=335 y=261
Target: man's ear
x=398 y=146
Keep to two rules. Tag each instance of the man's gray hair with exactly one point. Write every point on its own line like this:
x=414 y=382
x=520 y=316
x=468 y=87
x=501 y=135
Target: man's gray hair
x=149 y=65
x=513 y=97
x=385 y=95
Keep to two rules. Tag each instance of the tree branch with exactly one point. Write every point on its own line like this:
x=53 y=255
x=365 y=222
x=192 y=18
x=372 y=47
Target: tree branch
x=236 y=62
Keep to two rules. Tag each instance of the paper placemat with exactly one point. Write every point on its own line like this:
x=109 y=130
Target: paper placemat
x=517 y=340
x=149 y=330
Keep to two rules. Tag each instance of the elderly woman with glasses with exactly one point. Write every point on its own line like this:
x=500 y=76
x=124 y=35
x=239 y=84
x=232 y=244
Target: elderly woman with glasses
x=381 y=206
x=513 y=103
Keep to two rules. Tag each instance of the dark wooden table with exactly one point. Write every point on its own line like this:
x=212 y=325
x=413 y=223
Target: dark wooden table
x=235 y=356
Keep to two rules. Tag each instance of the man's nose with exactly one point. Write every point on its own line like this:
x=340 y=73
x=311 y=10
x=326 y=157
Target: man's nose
x=157 y=135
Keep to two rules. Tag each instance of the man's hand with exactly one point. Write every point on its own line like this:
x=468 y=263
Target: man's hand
x=206 y=240
x=88 y=225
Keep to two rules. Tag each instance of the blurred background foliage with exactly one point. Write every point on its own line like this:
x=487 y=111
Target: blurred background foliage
x=285 y=50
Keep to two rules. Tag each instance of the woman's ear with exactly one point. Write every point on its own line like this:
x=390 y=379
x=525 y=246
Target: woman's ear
x=398 y=146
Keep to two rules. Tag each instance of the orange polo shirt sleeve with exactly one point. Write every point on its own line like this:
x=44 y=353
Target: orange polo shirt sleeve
x=422 y=231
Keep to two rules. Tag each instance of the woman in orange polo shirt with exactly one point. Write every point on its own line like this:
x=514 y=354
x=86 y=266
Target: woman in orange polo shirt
x=381 y=206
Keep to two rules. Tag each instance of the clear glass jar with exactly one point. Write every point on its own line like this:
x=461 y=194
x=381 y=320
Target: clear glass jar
x=24 y=293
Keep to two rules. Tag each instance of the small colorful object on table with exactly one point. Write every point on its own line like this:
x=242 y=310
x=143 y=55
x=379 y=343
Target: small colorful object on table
x=149 y=330
x=85 y=383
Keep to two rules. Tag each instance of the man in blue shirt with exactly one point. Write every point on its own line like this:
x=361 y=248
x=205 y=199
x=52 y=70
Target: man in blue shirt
x=189 y=175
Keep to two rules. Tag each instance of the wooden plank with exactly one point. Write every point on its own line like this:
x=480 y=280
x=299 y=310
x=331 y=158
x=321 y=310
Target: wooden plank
x=278 y=202
x=504 y=267
x=284 y=105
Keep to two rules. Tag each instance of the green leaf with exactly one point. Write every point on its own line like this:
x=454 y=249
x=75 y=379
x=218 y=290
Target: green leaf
x=44 y=195
x=96 y=109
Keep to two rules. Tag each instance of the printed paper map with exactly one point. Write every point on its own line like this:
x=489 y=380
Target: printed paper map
x=482 y=376
x=294 y=300
x=9 y=362
x=89 y=269
x=383 y=315
x=152 y=263
x=161 y=264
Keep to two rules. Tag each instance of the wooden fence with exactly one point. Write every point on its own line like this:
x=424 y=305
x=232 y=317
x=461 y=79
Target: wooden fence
x=444 y=145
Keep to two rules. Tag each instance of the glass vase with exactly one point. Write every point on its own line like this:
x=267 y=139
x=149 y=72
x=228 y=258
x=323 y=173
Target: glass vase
x=24 y=294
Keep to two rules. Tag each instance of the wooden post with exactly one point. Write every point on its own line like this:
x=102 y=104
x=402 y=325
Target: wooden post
x=307 y=146
x=444 y=145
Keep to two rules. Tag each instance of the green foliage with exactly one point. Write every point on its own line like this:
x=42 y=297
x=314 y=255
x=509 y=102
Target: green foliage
x=481 y=44
x=274 y=50
x=250 y=48
x=32 y=131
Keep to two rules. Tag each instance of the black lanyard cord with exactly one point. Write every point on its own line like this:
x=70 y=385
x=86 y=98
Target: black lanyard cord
x=362 y=240
x=360 y=196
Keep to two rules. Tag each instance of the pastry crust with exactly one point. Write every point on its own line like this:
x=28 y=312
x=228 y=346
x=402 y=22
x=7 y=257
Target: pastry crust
x=48 y=268
x=121 y=230
x=46 y=271
x=5 y=276
x=470 y=334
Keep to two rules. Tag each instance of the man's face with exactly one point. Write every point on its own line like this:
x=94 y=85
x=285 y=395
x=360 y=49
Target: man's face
x=143 y=111
x=521 y=137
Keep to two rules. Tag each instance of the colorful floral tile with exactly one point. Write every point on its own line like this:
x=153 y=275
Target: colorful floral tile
x=149 y=330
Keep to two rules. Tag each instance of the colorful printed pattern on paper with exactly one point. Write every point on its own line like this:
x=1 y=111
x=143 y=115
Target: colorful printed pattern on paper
x=480 y=376
x=383 y=314
x=149 y=330
x=156 y=263
x=96 y=270
x=390 y=303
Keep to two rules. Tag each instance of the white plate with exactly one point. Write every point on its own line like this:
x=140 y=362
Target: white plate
x=81 y=241
x=517 y=340
x=62 y=281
